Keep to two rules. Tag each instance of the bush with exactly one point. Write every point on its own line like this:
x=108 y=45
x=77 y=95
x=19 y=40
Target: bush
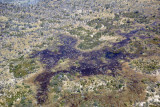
x=21 y=67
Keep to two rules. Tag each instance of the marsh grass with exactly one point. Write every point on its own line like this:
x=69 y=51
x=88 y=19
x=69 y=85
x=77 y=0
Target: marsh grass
x=22 y=66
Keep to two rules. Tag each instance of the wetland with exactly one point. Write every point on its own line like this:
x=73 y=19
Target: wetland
x=74 y=53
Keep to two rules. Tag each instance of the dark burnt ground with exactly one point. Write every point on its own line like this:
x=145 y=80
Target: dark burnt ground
x=90 y=65
x=128 y=36
x=43 y=80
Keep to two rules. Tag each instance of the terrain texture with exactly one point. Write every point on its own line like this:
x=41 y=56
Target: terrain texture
x=80 y=53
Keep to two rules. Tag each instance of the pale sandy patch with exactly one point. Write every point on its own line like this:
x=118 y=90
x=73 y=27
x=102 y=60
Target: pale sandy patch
x=3 y=19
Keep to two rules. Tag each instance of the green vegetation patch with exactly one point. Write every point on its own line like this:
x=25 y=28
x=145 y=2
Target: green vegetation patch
x=139 y=17
x=137 y=47
x=99 y=91
x=90 y=40
x=80 y=32
x=155 y=28
x=13 y=98
x=22 y=66
x=146 y=65
x=135 y=14
x=155 y=41
x=97 y=23
x=18 y=97
x=89 y=44
x=56 y=83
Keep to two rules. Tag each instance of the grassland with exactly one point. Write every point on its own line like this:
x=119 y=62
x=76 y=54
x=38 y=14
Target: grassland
x=128 y=31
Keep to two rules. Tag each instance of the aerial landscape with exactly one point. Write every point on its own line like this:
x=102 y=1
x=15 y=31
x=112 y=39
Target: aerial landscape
x=79 y=53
